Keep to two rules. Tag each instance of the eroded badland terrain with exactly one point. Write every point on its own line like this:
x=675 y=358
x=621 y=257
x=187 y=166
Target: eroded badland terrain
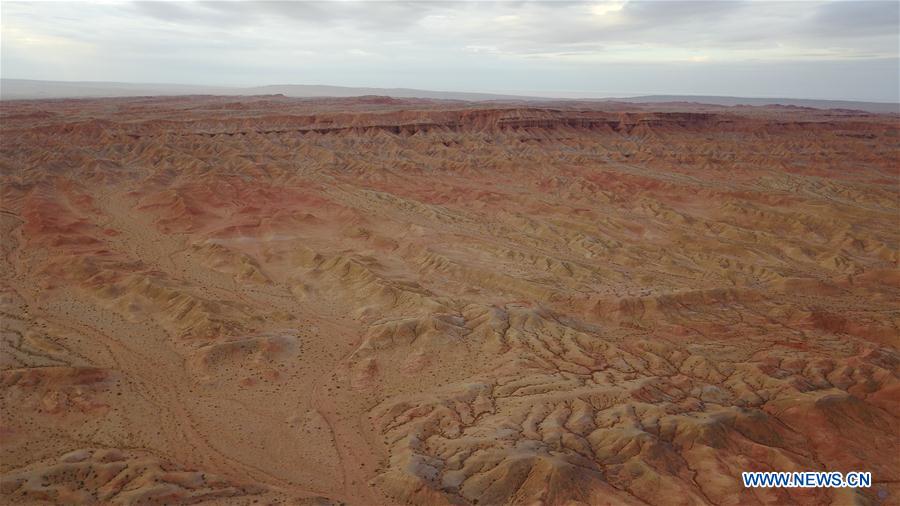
x=372 y=301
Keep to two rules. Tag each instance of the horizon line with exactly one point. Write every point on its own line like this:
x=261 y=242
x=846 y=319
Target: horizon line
x=524 y=94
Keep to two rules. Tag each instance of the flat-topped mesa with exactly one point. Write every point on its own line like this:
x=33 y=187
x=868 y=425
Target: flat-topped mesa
x=276 y=115
x=478 y=120
x=494 y=120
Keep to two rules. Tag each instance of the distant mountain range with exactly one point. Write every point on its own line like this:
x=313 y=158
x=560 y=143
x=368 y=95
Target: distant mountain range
x=15 y=89
x=27 y=89
x=874 y=107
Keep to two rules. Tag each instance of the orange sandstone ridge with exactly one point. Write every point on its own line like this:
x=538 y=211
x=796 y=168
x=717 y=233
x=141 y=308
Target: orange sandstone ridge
x=380 y=301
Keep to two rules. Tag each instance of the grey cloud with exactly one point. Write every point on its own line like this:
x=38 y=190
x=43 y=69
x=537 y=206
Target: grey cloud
x=492 y=44
x=658 y=13
x=857 y=18
x=560 y=25
x=368 y=15
x=197 y=13
x=163 y=11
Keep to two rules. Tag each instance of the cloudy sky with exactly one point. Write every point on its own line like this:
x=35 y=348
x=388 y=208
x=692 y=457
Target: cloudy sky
x=798 y=49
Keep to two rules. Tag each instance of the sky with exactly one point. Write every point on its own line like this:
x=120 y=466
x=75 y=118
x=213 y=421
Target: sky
x=755 y=48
